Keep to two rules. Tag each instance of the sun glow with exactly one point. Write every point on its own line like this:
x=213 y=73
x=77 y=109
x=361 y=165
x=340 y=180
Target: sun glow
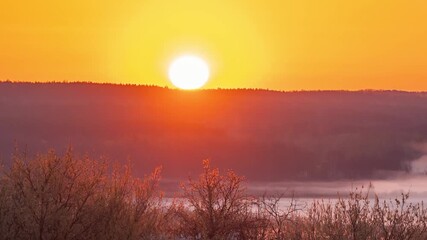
x=189 y=72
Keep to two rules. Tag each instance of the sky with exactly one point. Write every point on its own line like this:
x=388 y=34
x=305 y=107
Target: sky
x=275 y=44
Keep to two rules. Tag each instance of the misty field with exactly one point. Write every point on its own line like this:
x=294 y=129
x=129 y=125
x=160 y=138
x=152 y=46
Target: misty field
x=70 y=197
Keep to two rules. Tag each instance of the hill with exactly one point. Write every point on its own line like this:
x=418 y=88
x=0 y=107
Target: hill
x=264 y=135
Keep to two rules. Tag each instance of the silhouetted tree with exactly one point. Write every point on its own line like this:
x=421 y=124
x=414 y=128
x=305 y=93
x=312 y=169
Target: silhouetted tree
x=216 y=206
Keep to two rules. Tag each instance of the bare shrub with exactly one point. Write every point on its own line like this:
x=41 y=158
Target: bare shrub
x=282 y=219
x=215 y=207
x=52 y=197
x=130 y=206
x=399 y=220
x=348 y=218
x=356 y=217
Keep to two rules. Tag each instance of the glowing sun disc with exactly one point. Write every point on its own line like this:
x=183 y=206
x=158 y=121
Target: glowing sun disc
x=188 y=72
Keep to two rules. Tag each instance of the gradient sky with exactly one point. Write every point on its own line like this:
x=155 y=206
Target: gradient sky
x=286 y=45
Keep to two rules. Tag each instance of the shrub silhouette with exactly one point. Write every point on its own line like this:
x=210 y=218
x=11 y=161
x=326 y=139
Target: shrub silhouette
x=52 y=197
x=215 y=207
x=356 y=218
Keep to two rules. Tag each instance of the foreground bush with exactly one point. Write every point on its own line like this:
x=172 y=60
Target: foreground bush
x=215 y=207
x=52 y=197
x=66 y=197
x=357 y=217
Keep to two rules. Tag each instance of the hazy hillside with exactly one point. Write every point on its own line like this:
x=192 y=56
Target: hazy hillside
x=260 y=134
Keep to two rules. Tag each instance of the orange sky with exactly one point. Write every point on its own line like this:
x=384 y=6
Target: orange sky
x=277 y=44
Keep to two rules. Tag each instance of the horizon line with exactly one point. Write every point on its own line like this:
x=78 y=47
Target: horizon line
x=213 y=89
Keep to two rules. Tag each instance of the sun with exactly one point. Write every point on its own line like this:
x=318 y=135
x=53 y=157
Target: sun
x=188 y=72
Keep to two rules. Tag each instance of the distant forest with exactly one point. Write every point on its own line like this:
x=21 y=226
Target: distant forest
x=264 y=135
